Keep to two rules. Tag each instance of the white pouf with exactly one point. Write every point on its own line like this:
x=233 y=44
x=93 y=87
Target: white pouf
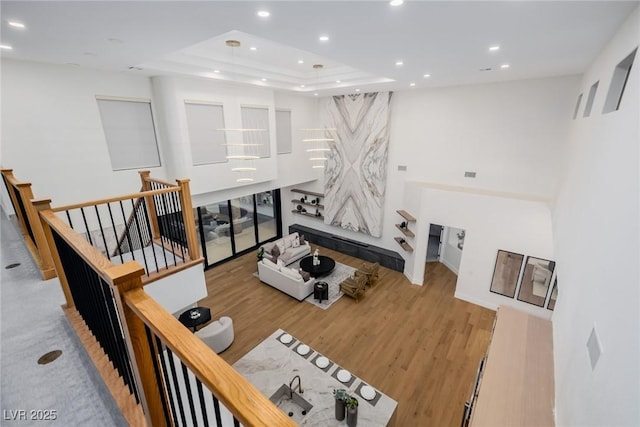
x=218 y=334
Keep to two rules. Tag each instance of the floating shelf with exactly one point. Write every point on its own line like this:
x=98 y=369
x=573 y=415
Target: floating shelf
x=405 y=231
x=300 y=202
x=407 y=247
x=310 y=193
x=406 y=215
x=307 y=214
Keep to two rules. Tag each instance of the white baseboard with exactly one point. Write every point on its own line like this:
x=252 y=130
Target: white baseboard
x=449 y=266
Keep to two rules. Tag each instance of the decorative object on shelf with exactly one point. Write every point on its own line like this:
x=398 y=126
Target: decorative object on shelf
x=299 y=208
x=340 y=396
x=506 y=272
x=316 y=261
x=401 y=241
x=317 y=212
x=352 y=411
x=304 y=210
x=313 y=201
x=317 y=200
x=403 y=224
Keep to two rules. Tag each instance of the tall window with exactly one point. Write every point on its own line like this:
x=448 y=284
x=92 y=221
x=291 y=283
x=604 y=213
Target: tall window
x=283 y=131
x=618 y=83
x=256 y=118
x=206 y=141
x=129 y=132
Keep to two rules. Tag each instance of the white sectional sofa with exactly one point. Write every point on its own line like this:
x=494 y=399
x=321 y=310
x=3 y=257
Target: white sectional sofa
x=290 y=248
x=285 y=279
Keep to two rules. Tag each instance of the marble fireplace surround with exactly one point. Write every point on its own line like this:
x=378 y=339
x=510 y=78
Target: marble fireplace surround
x=271 y=364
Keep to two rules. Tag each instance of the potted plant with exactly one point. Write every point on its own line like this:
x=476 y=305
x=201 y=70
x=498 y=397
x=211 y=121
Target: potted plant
x=352 y=411
x=260 y=253
x=341 y=396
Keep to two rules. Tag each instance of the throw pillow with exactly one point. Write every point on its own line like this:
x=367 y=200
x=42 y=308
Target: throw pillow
x=288 y=241
x=296 y=242
x=275 y=252
x=280 y=245
x=302 y=239
x=305 y=275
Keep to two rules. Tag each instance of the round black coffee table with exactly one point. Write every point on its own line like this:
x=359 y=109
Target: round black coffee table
x=195 y=317
x=326 y=265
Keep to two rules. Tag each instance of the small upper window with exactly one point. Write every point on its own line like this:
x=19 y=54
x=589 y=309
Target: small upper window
x=618 y=83
x=575 y=112
x=129 y=132
x=592 y=96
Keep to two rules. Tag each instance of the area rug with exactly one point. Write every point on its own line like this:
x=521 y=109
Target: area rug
x=339 y=273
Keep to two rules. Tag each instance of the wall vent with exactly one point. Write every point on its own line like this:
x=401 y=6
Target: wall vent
x=594 y=348
x=402 y=168
x=469 y=174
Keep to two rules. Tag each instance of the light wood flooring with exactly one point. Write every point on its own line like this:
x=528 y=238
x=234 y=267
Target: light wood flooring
x=417 y=344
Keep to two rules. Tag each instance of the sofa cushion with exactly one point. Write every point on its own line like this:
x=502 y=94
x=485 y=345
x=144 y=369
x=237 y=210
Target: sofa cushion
x=296 y=242
x=288 y=240
x=291 y=273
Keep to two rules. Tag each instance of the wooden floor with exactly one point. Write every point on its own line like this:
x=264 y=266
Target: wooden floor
x=417 y=344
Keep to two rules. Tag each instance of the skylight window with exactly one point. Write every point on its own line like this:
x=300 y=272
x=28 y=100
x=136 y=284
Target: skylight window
x=618 y=83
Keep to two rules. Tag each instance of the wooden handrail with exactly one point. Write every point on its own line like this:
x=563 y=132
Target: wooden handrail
x=239 y=396
x=145 y=176
x=115 y=199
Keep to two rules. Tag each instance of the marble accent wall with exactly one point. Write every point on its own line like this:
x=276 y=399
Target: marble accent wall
x=356 y=171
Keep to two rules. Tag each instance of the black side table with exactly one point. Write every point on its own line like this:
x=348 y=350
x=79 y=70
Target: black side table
x=321 y=291
x=195 y=317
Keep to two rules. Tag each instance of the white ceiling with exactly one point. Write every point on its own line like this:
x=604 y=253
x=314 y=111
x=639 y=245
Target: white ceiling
x=449 y=40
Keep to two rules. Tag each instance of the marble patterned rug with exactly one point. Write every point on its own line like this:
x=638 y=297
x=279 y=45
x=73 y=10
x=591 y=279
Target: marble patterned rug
x=339 y=273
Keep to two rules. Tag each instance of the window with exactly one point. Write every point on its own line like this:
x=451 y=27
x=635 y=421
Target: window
x=283 y=131
x=575 y=112
x=256 y=118
x=590 y=98
x=207 y=142
x=129 y=132
x=618 y=83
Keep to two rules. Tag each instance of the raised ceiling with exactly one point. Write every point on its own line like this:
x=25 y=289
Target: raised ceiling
x=447 y=40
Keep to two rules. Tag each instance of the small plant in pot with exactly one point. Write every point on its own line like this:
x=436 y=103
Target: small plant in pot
x=341 y=396
x=260 y=254
x=352 y=411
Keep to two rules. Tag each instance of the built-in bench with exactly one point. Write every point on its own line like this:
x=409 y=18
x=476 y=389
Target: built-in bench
x=364 y=251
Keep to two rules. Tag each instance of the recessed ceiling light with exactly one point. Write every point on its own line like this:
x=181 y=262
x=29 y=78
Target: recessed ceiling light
x=6 y=47
x=494 y=48
x=396 y=2
x=301 y=85
x=338 y=81
x=412 y=84
x=426 y=76
x=263 y=79
x=505 y=66
x=263 y=14
x=216 y=71
x=323 y=38
x=253 y=48
x=16 y=24
x=357 y=90
x=315 y=94
x=300 y=61
x=399 y=63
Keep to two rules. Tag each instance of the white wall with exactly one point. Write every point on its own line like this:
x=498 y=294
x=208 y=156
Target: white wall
x=52 y=133
x=509 y=133
x=492 y=222
x=596 y=223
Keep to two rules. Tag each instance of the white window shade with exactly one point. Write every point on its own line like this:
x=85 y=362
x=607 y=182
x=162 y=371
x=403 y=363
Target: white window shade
x=206 y=140
x=129 y=132
x=283 y=131
x=256 y=118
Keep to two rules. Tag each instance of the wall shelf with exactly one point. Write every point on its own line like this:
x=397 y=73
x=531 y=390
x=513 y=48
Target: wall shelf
x=406 y=215
x=405 y=231
x=407 y=247
x=312 y=215
x=310 y=193
x=300 y=202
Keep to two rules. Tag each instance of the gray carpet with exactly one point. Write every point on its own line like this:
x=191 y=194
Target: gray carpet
x=33 y=324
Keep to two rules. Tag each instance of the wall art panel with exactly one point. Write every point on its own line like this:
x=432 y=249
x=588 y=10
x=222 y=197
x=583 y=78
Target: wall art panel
x=356 y=172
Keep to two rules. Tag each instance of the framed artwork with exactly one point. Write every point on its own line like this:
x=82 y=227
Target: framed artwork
x=551 y=304
x=506 y=272
x=536 y=281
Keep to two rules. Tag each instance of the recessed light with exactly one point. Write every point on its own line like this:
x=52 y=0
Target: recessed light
x=300 y=61
x=426 y=76
x=357 y=90
x=396 y=2
x=494 y=48
x=505 y=66
x=16 y=24
x=412 y=84
x=399 y=63
x=263 y=79
x=338 y=81
x=216 y=71
x=253 y=48
x=5 y=47
x=315 y=94
x=323 y=38
x=486 y=69
x=301 y=85
x=263 y=14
